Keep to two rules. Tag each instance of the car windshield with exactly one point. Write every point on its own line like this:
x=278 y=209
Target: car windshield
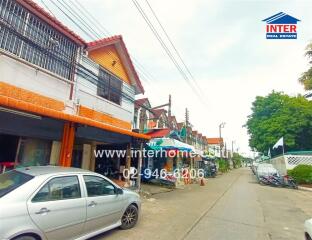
x=11 y=180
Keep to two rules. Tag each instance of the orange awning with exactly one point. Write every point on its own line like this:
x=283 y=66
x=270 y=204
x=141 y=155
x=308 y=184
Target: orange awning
x=32 y=108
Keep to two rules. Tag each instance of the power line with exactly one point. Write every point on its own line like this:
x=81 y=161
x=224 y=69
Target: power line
x=101 y=29
x=94 y=36
x=46 y=6
x=171 y=43
x=164 y=46
x=71 y=19
x=79 y=18
x=106 y=33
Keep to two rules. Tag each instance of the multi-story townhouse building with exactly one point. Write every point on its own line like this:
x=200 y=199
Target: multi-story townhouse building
x=61 y=97
x=143 y=116
x=205 y=144
x=214 y=146
x=160 y=118
x=194 y=138
x=199 y=141
x=173 y=123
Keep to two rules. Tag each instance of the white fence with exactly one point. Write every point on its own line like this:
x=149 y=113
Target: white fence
x=289 y=161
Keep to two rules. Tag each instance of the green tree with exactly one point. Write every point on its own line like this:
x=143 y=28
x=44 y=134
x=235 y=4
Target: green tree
x=279 y=115
x=306 y=77
x=237 y=160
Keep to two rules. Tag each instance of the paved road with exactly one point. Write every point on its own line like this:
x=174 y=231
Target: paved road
x=230 y=207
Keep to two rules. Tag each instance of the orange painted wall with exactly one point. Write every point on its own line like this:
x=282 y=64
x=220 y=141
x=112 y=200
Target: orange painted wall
x=44 y=111
x=105 y=57
x=30 y=97
x=97 y=116
x=23 y=95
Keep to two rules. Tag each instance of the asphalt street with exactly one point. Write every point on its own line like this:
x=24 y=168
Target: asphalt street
x=230 y=207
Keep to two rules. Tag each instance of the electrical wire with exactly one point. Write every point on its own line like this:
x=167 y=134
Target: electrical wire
x=106 y=33
x=89 y=31
x=168 y=52
x=173 y=46
x=46 y=6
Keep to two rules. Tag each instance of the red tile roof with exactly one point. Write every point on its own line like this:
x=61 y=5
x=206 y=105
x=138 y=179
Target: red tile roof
x=114 y=40
x=139 y=102
x=51 y=20
x=157 y=133
x=214 y=140
x=158 y=112
x=172 y=119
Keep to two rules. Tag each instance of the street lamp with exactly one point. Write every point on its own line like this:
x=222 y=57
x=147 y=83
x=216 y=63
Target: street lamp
x=233 y=142
x=221 y=125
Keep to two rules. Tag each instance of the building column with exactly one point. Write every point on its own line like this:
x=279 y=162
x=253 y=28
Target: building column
x=67 y=144
x=55 y=153
x=92 y=160
x=128 y=164
x=140 y=166
x=86 y=156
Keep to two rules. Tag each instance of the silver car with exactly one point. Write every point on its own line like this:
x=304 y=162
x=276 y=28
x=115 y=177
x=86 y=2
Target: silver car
x=62 y=203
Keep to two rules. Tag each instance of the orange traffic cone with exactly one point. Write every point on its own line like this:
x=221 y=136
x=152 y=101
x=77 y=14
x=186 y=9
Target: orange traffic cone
x=202 y=183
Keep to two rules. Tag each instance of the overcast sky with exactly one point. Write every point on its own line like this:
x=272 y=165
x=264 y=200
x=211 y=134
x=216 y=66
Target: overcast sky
x=223 y=44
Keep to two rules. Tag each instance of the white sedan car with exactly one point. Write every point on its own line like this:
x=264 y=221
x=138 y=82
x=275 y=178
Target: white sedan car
x=308 y=229
x=39 y=203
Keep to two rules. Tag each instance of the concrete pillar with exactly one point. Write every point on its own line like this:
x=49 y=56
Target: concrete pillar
x=140 y=166
x=67 y=144
x=86 y=156
x=92 y=158
x=55 y=153
x=128 y=164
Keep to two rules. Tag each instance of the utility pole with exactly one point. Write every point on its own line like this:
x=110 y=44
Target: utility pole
x=232 y=154
x=169 y=107
x=140 y=161
x=220 y=137
x=233 y=141
x=186 y=124
x=169 y=110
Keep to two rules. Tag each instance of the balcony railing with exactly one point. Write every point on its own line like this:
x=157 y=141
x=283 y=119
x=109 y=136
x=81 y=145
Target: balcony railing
x=30 y=38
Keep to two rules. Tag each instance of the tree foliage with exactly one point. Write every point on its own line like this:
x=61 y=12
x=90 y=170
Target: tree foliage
x=306 y=77
x=279 y=115
x=237 y=160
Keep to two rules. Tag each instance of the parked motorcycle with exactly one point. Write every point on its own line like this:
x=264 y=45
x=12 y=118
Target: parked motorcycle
x=290 y=182
x=264 y=180
x=275 y=180
x=278 y=181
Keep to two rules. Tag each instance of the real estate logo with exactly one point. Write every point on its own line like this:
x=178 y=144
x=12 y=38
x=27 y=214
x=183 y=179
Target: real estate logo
x=281 y=26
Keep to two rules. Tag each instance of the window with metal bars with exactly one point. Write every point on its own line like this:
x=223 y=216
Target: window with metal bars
x=30 y=38
x=109 y=87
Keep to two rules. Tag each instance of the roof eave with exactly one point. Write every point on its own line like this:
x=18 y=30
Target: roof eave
x=51 y=20
x=115 y=40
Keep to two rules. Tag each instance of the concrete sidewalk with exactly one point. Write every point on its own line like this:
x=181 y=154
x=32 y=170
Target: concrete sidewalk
x=148 y=190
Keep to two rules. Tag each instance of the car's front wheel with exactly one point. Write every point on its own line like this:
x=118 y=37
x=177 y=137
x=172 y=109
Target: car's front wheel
x=25 y=237
x=129 y=218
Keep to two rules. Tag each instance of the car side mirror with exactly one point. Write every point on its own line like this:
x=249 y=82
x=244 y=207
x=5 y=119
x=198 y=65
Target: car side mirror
x=119 y=191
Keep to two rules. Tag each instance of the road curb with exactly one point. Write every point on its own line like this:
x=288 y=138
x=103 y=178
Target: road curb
x=305 y=189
